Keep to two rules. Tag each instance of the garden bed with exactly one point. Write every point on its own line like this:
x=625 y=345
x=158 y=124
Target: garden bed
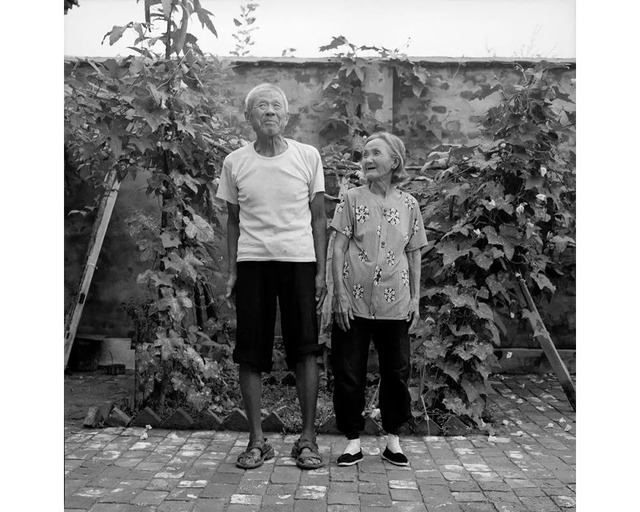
x=280 y=409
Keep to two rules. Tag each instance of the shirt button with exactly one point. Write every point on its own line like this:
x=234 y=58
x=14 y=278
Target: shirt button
x=382 y=244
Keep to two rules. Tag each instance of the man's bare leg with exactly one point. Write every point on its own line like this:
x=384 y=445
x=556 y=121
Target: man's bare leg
x=307 y=383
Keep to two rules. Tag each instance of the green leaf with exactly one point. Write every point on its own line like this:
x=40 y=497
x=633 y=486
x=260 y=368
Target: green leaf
x=169 y=239
x=463 y=330
x=450 y=252
x=495 y=334
x=536 y=323
x=452 y=369
x=483 y=260
x=337 y=42
x=166 y=9
x=199 y=229
x=470 y=388
x=543 y=281
x=434 y=348
x=115 y=34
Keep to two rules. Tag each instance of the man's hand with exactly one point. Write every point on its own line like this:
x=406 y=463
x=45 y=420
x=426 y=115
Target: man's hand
x=413 y=315
x=231 y=288
x=321 y=291
x=342 y=311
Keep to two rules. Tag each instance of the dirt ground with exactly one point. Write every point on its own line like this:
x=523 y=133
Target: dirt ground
x=85 y=389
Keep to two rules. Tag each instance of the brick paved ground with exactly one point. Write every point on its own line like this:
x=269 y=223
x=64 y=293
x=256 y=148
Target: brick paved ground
x=529 y=465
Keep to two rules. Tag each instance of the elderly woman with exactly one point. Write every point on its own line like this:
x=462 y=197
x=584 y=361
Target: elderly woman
x=376 y=272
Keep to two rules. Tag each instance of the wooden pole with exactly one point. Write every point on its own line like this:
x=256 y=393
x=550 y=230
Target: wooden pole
x=542 y=335
x=103 y=216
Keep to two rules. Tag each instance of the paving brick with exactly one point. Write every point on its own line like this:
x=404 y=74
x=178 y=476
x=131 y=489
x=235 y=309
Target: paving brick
x=348 y=487
x=285 y=475
x=117 y=418
x=179 y=419
x=146 y=417
x=529 y=491
x=343 y=508
x=342 y=498
x=309 y=506
x=120 y=495
x=405 y=495
x=502 y=497
x=273 y=423
x=375 y=500
x=111 y=507
x=184 y=494
x=494 y=486
x=464 y=487
x=94 y=417
x=281 y=489
x=404 y=506
x=539 y=503
x=219 y=490
x=311 y=492
x=517 y=483
x=176 y=506
x=511 y=507
x=469 y=496
x=209 y=505
x=373 y=488
x=236 y=420
x=477 y=507
x=269 y=507
x=149 y=497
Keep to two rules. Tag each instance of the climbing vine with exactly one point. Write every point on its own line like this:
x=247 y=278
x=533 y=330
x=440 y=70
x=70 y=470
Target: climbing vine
x=163 y=113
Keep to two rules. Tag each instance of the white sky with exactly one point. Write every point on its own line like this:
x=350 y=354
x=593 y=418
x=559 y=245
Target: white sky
x=433 y=28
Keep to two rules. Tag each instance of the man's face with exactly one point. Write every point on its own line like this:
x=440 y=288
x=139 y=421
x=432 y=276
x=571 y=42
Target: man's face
x=268 y=115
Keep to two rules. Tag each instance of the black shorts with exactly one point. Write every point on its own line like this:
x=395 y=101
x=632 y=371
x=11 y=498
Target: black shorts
x=259 y=285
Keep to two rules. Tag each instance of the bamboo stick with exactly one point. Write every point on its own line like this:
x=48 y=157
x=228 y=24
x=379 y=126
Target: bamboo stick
x=547 y=345
x=105 y=209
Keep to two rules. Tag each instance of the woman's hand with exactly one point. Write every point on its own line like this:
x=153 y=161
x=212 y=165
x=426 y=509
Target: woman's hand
x=413 y=315
x=231 y=288
x=342 y=311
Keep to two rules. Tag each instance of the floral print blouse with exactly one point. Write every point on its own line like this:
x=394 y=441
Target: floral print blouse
x=381 y=231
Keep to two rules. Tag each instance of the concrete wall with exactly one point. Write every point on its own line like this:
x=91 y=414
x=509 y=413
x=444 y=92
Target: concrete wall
x=451 y=116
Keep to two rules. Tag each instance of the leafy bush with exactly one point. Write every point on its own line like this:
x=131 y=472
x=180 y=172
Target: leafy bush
x=164 y=115
x=501 y=209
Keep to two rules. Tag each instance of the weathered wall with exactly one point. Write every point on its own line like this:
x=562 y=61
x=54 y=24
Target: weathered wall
x=118 y=266
x=452 y=119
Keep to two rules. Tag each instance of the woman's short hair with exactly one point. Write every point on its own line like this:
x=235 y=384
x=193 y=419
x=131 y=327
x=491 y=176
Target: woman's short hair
x=249 y=99
x=397 y=148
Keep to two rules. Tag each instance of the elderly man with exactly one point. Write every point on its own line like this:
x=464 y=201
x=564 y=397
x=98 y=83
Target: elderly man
x=276 y=231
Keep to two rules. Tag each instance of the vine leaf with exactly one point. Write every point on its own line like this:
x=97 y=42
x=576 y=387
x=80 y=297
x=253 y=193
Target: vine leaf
x=199 y=229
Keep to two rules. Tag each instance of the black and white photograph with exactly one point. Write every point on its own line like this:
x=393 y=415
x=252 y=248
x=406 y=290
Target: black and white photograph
x=321 y=255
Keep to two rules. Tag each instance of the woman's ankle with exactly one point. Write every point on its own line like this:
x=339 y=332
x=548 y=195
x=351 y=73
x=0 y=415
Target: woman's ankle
x=353 y=446
x=393 y=443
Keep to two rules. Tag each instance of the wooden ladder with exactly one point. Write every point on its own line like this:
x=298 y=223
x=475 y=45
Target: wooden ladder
x=103 y=216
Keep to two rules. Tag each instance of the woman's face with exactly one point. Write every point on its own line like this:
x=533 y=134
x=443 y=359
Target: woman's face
x=378 y=161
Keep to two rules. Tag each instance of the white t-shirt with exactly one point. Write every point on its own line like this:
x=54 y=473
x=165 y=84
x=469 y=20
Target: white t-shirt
x=274 y=195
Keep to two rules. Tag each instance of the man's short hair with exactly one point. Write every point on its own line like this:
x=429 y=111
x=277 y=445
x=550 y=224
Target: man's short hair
x=248 y=101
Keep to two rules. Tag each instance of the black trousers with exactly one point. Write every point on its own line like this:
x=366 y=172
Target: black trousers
x=349 y=354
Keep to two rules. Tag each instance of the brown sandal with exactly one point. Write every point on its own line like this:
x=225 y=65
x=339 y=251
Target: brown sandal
x=304 y=461
x=248 y=460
